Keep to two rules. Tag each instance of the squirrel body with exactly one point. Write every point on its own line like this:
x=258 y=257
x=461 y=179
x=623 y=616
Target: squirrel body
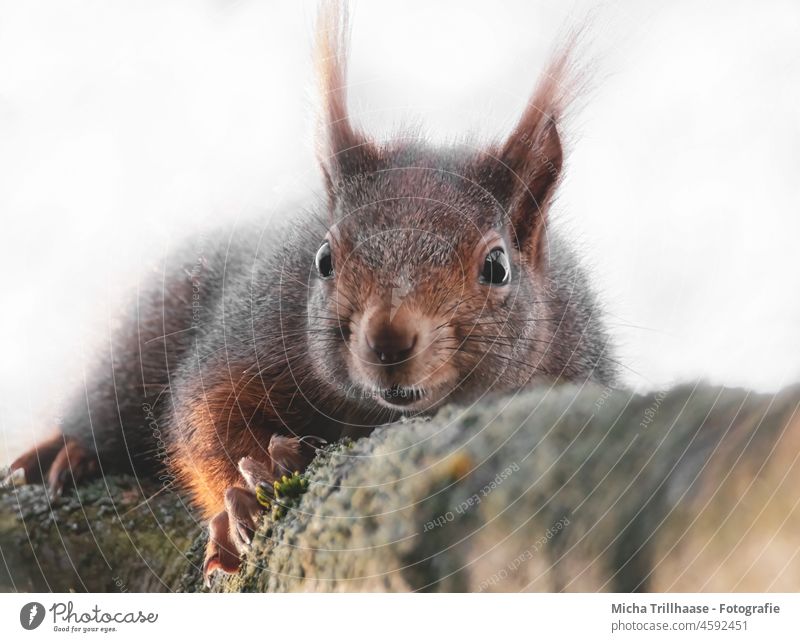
x=424 y=275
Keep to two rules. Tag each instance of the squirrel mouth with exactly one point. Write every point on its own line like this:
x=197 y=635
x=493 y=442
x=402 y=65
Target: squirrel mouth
x=402 y=395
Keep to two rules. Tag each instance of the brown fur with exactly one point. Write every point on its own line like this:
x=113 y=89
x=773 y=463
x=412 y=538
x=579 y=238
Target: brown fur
x=405 y=322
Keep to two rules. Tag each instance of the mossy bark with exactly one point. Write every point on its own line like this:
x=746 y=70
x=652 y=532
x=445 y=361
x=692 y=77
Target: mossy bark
x=562 y=488
x=109 y=535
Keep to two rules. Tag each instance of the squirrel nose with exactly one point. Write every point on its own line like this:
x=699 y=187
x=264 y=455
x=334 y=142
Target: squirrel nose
x=391 y=343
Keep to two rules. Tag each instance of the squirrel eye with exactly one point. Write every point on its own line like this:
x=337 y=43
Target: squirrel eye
x=496 y=270
x=324 y=261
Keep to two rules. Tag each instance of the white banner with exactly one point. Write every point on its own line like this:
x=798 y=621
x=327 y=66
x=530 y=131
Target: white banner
x=352 y=617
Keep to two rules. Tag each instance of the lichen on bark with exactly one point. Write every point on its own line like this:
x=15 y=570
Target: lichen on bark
x=562 y=488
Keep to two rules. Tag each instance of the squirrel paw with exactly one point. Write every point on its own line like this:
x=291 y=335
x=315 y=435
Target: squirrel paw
x=289 y=454
x=286 y=455
x=230 y=532
x=243 y=512
x=60 y=461
x=221 y=554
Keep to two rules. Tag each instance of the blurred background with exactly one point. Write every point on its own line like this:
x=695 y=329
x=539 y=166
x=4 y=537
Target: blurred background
x=126 y=126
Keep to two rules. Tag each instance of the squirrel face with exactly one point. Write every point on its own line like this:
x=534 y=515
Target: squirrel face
x=429 y=282
x=420 y=282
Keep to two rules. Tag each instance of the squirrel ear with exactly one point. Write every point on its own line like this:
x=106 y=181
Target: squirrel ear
x=528 y=165
x=343 y=151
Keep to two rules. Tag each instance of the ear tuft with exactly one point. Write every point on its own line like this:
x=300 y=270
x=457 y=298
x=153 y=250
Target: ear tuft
x=532 y=157
x=342 y=150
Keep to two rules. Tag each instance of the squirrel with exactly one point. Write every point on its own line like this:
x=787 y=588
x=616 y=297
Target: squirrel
x=422 y=276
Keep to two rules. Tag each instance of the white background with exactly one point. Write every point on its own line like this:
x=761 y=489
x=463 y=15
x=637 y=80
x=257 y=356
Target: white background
x=123 y=125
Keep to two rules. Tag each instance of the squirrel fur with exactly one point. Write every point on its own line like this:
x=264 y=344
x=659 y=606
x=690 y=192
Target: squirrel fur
x=425 y=275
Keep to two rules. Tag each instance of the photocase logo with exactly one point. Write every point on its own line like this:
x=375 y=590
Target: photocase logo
x=31 y=615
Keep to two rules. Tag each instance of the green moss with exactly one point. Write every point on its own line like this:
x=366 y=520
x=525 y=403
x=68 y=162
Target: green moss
x=286 y=494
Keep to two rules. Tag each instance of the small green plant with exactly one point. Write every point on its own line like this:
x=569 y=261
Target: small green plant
x=284 y=494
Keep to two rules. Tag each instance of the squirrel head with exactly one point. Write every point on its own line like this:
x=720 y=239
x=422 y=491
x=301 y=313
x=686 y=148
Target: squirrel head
x=430 y=281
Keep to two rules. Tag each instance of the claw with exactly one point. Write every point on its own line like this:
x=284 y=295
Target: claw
x=311 y=439
x=15 y=478
x=210 y=565
x=73 y=464
x=243 y=510
x=245 y=536
x=56 y=484
x=213 y=564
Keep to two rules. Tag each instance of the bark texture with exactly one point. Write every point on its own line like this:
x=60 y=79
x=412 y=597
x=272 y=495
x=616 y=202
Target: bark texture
x=559 y=489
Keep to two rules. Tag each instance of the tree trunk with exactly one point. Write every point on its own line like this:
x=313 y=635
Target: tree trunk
x=562 y=488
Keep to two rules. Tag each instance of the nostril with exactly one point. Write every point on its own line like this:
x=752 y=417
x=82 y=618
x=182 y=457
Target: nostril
x=404 y=352
x=390 y=346
x=394 y=357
